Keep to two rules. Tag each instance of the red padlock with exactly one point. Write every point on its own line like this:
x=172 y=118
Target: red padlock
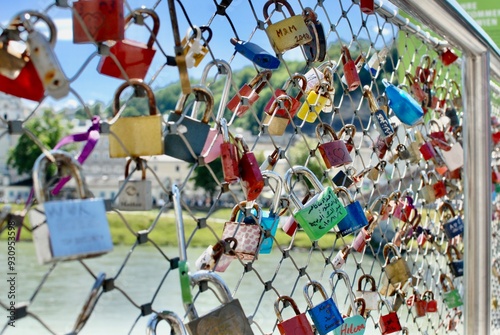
x=229 y=156
x=133 y=57
x=447 y=56
x=252 y=180
x=389 y=323
x=367 y=6
x=438 y=101
x=361 y=239
x=427 y=151
x=298 y=324
x=249 y=93
x=424 y=73
x=431 y=304
x=271 y=106
x=439 y=186
x=417 y=90
x=420 y=305
x=335 y=152
x=350 y=70
x=98 y=21
x=437 y=136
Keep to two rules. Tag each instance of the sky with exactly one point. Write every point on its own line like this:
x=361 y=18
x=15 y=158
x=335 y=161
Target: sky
x=92 y=86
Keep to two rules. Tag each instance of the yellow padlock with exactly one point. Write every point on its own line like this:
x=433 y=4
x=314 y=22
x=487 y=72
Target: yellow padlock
x=288 y=33
x=313 y=105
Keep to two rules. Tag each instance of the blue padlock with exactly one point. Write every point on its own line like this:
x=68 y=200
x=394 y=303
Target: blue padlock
x=256 y=54
x=407 y=109
x=270 y=219
x=355 y=218
x=325 y=315
x=452 y=227
x=456 y=263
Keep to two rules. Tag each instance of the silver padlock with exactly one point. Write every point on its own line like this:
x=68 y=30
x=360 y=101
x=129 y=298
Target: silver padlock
x=341 y=257
x=135 y=195
x=67 y=229
x=176 y=325
x=226 y=319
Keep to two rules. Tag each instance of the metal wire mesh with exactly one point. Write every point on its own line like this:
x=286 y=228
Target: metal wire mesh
x=377 y=172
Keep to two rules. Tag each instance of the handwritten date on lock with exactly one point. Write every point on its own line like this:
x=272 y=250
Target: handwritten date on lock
x=283 y=32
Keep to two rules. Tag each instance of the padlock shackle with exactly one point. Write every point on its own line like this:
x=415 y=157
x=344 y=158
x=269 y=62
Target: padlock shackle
x=199 y=31
x=382 y=199
x=225 y=130
x=90 y=303
x=260 y=80
x=369 y=278
x=242 y=205
x=457 y=89
x=275 y=204
x=444 y=206
x=387 y=304
x=342 y=189
x=372 y=103
x=197 y=90
x=135 y=82
x=387 y=248
x=327 y=129
x=287 y=299
x=401 y=147
x=156 y=22
x=300 y=170
x=436 y=123
x=448 y=286
x=346 y=55
x=220 y=247
x=175 y=322
x=62 y=159
x=274 y=106
x=21 y=19
x=424 y=180
x=349 y=129
x=141 y=163
x=427 y=60
x=449 y=249
x=343 y=275
x=265 y=9
x=431 y=174
x=316 y=287
x=218 y=63
x=223 y=292
x=359 y=301
x=296 y=77
x=428 y=295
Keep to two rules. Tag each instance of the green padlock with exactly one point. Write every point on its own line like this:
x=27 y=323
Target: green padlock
x=322 y=212
x=452 y=298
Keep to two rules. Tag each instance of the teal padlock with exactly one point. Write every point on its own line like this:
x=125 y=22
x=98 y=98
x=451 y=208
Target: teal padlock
x=270 y=219
x=452 y=298
x=320 y=213
x=403 y=105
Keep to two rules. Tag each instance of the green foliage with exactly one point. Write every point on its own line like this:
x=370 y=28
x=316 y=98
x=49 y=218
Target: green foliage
x=300 y=154
x=203 y=178
x=48 y=128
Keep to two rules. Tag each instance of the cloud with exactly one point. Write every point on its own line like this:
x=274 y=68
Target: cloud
x=64 y=29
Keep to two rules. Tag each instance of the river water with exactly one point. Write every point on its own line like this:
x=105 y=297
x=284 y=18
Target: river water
x=60 y=300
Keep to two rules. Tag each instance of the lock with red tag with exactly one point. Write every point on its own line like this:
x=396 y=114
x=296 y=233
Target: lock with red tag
x=252 y=180
x=249 y=93
x=97 y=21
x=334 y=152
x=128 y=58
x=229 y=156
x=438 y=136
x=350 y=70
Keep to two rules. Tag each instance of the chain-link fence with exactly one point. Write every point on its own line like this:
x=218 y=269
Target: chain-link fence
x=342 y=168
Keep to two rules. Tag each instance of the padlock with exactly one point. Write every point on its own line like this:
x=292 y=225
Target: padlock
x=451 y=297
x=355 y=218
x=276 y=125
x=299 y=324
x=89 y=304
x=455 y=320
x=334 y=152
x=355 y=324
x=426 y=189
x=350 y=70
x=290 y=226
x=256 y=54
x=249 y=93
x=315 y=102
x=194 y=48
x=43 y=57
x=13 y=55
x=396 y=268
x=404 y=210
x=288 y=33
x=322 y=212
x=379 y=113
x=70 y=229
x=403 y=152
x=186 y=136
x=439 y=99
x=424 y=72
x=290 y=104
x=224 y=253
x=371 y=296
x=439 y=186
x=447 y=56
x=229 y=156
x=456 y=263
x=376 y=171
x=383 y=144
x=325 y=315
x=344 y=179
x=248 y=234
x=341 y=257
x=407 y=110
x=251 y=178
x=96 y=21
x=138 y=135
x=270 y=219
x=135 y=195
x=427 y=151
x=415 y=88
x=315 y=50
x=367 y=6
x=350 y=130
x=363 y=237
x=452 y=114
x=131 y=59
x=405 y=234
x=454 y=226
x=21 y=82
x=321 y=79
x=212 y=147
x=456 y=96
x=389 y=323
x=431 y=303
x=453 y=158
x=175 y=322
x=438 y=137
x=229 y=318
x=374 y=62
x=419 y=303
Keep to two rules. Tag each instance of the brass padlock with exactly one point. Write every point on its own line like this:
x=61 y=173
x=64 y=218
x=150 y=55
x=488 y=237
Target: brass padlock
x=288 y=33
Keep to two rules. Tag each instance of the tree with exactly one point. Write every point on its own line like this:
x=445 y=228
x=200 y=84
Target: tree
x=48 y=128
x=203 y=178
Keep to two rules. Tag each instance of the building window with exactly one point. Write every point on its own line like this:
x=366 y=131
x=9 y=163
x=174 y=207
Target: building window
x=177 y=168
